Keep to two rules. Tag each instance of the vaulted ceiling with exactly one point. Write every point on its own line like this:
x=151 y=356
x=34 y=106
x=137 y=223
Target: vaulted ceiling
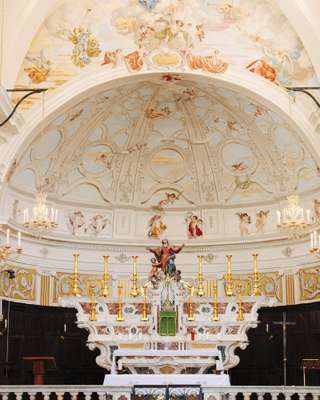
x=129 y=145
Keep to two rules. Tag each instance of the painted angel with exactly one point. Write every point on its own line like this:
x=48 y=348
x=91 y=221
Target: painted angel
x=244 y=221
x=98 y=224
x=76 y=221
x=40 y=69
x=156 y=227
x=261 y=220
x=170 y=199
x=194 y=226
x=85 y=46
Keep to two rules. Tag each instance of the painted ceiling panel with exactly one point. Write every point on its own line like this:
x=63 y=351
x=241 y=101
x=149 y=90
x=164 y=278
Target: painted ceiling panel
x=209 y=36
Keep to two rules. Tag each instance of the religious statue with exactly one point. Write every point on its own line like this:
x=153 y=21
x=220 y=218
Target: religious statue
x=165 y=256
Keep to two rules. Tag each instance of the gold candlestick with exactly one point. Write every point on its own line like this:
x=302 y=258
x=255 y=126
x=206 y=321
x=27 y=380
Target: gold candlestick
x=144 y=316
x=93 y=311
x=134 y=289
x=215 y=315
x=106 y=277
x=120 y=313
x=256 y=291
x=200 y=277
x=190 y=305
x=240 y=309
x=229 y=277
x=75 y=278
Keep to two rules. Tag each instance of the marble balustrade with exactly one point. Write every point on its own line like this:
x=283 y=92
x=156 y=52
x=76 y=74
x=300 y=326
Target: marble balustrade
x=76 y=392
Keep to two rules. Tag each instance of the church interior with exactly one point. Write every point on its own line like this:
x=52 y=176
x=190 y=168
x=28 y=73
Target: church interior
x=159 y=200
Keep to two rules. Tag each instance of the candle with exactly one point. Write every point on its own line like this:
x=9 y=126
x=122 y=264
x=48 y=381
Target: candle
x=279 y=217
x=311 y=241
x=105 y=259
x=229 y=271
x=56 y=218
x=315 y=245
x=8 y=238
x=76 y=256
x=134 y=259
x=19 y=240
x=255 y=263
x=308 y=216
x=200 y=264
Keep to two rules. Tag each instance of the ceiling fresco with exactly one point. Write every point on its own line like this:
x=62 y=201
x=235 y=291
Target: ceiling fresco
x=166 y=143
x=210 y=36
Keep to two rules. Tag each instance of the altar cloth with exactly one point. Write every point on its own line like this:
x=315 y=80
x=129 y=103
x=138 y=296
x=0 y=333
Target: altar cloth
x=187 y=379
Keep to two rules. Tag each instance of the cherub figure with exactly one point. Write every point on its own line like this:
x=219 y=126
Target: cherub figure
x=156 y=227
x=261 y=220
x=193 y=226
x=112 y=58
x=170 y=199
x=200 y=32
x=98 y=223
x=151 y=113
x=245 y=220
x=76 y=221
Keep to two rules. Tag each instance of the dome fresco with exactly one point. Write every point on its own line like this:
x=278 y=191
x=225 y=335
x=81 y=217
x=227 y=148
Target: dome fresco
x=130 y=145
x=85 y=36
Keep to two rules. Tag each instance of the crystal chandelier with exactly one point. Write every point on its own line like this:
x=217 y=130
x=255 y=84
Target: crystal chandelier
x=40 y=220
x=292 y=219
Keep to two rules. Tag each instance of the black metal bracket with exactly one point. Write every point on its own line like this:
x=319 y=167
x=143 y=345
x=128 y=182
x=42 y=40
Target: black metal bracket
x=305 y=90
x=30 y=93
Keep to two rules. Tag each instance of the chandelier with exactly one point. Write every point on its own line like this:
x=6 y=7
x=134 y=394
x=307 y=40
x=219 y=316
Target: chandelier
x=292 y=219
x=40 y=220
x=8 y=252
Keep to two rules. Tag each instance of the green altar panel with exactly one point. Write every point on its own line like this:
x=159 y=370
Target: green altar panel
x=167 y=323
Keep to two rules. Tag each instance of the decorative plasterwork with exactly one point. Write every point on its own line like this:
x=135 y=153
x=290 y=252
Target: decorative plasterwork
x=309 y=283
x=22 y=287
x=204 y=144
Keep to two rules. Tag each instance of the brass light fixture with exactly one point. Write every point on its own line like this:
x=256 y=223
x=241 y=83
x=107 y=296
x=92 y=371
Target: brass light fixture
x=200 y=290
x=229 y=277
x=292 y=219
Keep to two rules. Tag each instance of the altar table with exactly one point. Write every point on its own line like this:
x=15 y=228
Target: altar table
x=183 y=379
x=209 y=353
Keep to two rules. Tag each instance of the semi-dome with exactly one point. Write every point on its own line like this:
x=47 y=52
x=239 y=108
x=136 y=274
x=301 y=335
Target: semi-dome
x=167 y=141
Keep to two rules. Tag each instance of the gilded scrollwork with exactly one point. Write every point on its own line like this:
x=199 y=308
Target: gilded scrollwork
x=309 y=283
x=270 y=284
x=86 y=282
x=22 y=286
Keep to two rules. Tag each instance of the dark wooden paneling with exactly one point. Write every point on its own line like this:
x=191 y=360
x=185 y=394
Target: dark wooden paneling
x=39 y=331
x=261 y=362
